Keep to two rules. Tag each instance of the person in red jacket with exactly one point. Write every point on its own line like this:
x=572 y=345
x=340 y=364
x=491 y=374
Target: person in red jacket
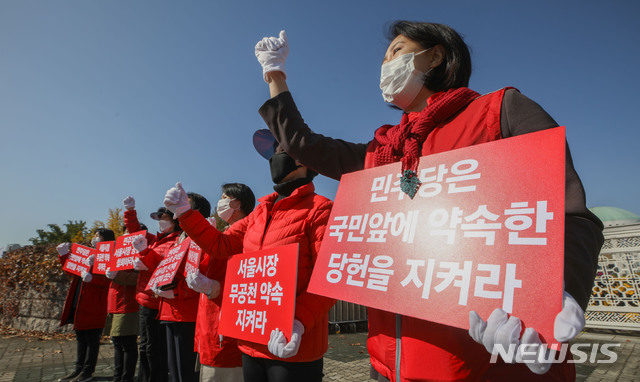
x=220 y=359
x=152 y=347
x=86 y=308
x=178 y=305
x=425 y=73
x=292 y=214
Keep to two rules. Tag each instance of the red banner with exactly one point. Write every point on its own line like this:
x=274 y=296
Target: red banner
x=260 y=294
x=124 y=253
x=77 y=261
x=193 y=258
x=168 y=267
x=103 y=252
x=484 y=231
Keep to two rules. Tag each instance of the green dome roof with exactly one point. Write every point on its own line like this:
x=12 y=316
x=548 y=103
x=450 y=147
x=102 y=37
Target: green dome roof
x=612 y=216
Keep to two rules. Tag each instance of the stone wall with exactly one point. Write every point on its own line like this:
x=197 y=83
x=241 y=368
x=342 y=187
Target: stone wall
x=41 y=311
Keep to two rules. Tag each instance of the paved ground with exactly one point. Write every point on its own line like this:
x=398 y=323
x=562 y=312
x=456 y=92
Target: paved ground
x=32 y=358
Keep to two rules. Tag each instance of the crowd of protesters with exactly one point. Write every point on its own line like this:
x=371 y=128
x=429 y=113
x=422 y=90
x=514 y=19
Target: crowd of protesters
x=425 y=73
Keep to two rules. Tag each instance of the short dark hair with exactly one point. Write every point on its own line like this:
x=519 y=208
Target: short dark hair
x=242 y=193
x=200 y=203
x=106 y=234
x=455 y=70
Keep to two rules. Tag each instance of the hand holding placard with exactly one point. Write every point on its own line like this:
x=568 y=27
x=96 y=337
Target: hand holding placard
x=278 y=344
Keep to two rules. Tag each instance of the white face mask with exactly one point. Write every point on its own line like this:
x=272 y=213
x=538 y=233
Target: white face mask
x=224 y=209
x=400 y=81
x=165 y=226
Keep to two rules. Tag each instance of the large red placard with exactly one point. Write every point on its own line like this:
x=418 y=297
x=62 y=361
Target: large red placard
x=193 y=258
x=103 y=252
x=485 y=231
x=166 y=271
x=77 y=261
x=260 y=294
x=124 y=252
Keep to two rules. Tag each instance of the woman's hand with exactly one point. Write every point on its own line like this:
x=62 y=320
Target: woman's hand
x=272 y=53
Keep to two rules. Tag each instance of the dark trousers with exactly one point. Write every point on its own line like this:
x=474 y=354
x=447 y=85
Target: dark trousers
x=87 y=348
x=272 y=370
x=153 y=347
x=125 y=356
x=181 y=356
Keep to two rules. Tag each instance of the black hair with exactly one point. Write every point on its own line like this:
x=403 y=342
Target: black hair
x=200 y=203
x=106 y=234
x=455 y=69
x=242 y=193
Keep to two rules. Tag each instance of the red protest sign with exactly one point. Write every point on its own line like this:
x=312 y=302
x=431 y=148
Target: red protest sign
x=484 y=231
x=103 y=252
x=260 y=294
x=77 y=261
x=168 y=268
x=193 y=258
x=124 y=253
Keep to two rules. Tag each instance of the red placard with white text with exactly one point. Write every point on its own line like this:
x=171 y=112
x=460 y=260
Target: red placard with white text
x=77 y=260
x=168 y=268
x=260 y=294
x=124 y=253
x=484 y=231
x=103 y=252
x=193 y=258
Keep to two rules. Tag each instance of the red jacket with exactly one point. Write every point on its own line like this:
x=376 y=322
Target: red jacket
x=90 y=309
x=451 y=353
x=183 y=307
x=299 y=218
x=160 y=244
x=122 y=298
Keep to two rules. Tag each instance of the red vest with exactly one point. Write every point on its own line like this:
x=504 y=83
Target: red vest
x=430 y=351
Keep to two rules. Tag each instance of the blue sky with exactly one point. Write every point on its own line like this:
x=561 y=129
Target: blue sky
x=104 y=99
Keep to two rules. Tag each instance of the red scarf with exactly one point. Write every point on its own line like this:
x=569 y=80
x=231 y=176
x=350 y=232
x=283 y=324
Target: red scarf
x=404 y=141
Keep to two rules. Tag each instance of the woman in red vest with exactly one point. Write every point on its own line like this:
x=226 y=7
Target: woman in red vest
x=86 y=308
x=425 y=73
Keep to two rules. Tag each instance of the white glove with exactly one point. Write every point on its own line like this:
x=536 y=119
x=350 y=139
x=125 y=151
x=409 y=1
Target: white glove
x=138 y=265
x=202 y=284
x=86 y=276
x=129 y=203
x=272 y=53
x=110 y=274
x=90 y=260
x=500 y=329
x=63 y=249
x=278 y=344
x=162 y=293
x=176 y=200
x=212 y=221
x=139 y=243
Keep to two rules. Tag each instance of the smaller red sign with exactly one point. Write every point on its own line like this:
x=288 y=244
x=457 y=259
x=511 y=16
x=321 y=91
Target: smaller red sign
x=168 y=267
x=260 y=294
x=193 y=258
x=77 y=262
x=124 y=253
x=103 y=252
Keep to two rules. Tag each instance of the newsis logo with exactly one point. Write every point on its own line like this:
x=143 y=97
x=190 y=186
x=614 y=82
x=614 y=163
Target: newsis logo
x=530 y=353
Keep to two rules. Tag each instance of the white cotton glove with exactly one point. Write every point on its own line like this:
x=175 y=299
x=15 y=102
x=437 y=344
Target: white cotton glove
x=90 y=260
x=176 y=200
x=129 y=203
x=500 y=329
x=212 y=221
x=278 y=344
x=138 y=265
x=272 y=53
x=162 y=293
x=202 y=284
x=110 y=274
x=86 y=276
x=63 y=249
x=140 y=243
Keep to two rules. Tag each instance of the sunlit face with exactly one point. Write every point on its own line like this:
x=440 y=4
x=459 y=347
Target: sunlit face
x=234 y=203
x=167 y=218
x=403 y=45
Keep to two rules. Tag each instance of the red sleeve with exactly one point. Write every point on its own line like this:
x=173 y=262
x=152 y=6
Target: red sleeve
x=212 y=241
x=133 y=225
x=150 y=258
x=311 y=308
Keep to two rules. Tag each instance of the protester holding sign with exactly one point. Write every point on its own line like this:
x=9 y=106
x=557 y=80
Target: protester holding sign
x=425 y=72
x=178 y=305
x=86 y=308
x=292 y=214
x=152 y=347
x=220 y=359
